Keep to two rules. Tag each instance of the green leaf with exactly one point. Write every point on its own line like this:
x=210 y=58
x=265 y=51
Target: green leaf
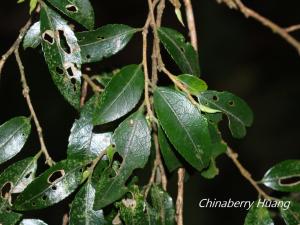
x=8 y=217
x=55 y=184
x=82 y=212
x=285 y=176
x=170 y=159
x=193 y=84
x=212 y=171
x=133 y=142
x=79 y=10
x=62 y=54
x=184 y=125
x=258 y=216
x=121 y=95
x=291 y=215
x=32 y=38
x=163 y=204
x=236 y=109
x=32 y=5
x=181 y=51
x=13 y=135
x=104 y=41
x=105 y=77
x=32 y=222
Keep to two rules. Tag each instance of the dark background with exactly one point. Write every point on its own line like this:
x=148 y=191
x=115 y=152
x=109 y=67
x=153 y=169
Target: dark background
x=236 y=54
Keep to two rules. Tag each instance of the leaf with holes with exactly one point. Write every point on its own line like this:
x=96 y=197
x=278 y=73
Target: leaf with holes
x=54 y=185
x=8 y=217
x=133 y=141
x=32 y=222
x=291 y=214
x=104 y=42
x=185 y=126
x=236 y=109
x=121 y=95
x=79 y=10
x=258 y=216
x=13 y=135
x=163 y=204
x=285 y=176
x=193 y=84
x=170 y=159
x=181 y=51
x=32 y=38
x=62 y=54
x=82 y=212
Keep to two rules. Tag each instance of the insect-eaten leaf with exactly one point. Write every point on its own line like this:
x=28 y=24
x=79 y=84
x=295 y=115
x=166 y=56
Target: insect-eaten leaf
x=193 y=84
x=236 y=109
x=258 y=215
x=181 y=51
x=291 y=214
x=184 y=125
x=132 y=141
x=32 y=38
x=79 y=10
x=104 y=41
x=62 y=54
x=121 y=95
x=55 y=184
x=13 y=135
x=285 y=176
x=32 y=222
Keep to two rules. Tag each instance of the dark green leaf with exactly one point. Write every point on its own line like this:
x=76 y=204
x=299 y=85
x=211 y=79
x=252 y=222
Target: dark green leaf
x=285 y=176
x=62 y=54
x=291 y=215
x=13 y=135
x=52 y=186
x=132 y=140
x=79 y=10
x=82 y=212
x=193 y=84
x=9 y=217
x=121 y=95
x=236 y=109
x=32 y=38
x=32 y=222
x=184 y=125
x=181 y=51
x=104 y=42
x=258 y=216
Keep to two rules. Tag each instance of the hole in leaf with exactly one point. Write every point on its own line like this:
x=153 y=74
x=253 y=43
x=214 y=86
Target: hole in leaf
x=289 y=181
x=100 y=38
x=231 y=103
x=88 y=56
x=8 y=210
x=33 y=204
x=70 y=72
x=54 y=188
x=63 y=42
x=72 y=8
x=28 y=175
x=59 y=70
x=215 y=98
x=182 y=49
x=48 y=36
x=6 y=188
x=55 y=176
x=44 y=198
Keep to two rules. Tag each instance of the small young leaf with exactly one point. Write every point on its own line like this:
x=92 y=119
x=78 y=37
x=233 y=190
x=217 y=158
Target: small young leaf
x=82 y=212
x=32 y=222
x=104 y=41
x=13 y=135
x=55 y=184
x=258 y=216
x=291 y=215
x=236 y=109
x=121 y=95
x=182 y=52
x=212 y=171
x=79 y=10
x=193 y=84
x=62 y=54
x=8 y=217
x=185 y=127
x=285 y=176
x=32 y=38
x=32 y=5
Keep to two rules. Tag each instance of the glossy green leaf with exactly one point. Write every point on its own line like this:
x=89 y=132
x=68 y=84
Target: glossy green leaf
x=32 y=222
x=32 y=38
x=193 y=84
x=13 y=135
x=79 y=10
x=291 y=215
x=164 y=206
x=284 y=176
x=181 y=51
x=62 y=54
x=104 y=41
x=185 y=126
x=82 y=212
x=121 y=95
x=236 y=109
x=55 y=184
x=258 y=216
x=9 y=217
x=132 y=141
x=170 y=159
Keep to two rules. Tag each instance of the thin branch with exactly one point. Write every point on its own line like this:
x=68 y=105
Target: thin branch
x=180 y=196
x=65 y=219
x=83 y=93
x=94 y=86
x=292 y=28
x=191 y=23
x=26 y=95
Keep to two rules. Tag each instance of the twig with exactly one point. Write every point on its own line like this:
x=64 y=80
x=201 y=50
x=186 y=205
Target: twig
x=180 y=193
x=26 y=95
x=83 y=93
x=191 y=23
x=65 y=219
x=292 y=28
x=15 y=45
x=94 y=86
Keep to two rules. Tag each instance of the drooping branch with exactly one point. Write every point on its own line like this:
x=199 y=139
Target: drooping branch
x=191 y=23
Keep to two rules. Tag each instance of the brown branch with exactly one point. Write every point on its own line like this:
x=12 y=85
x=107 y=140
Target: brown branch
x=191 y=23
x=180 y=196
x=83 y=93
x=94 y=86
x=65 y=219
x=26 y=95
x=292 y=28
